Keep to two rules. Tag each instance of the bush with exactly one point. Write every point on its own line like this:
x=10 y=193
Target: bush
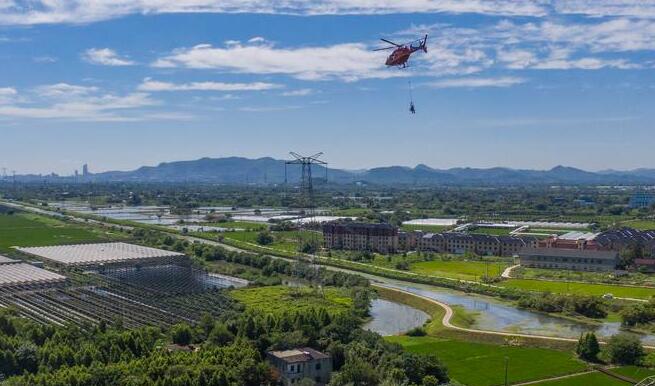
x=264 y=238
x=624 y=349
x=182 y=334
x=416 y=331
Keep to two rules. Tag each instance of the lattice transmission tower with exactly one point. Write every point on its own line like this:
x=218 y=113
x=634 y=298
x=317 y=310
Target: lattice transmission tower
x=306 y=179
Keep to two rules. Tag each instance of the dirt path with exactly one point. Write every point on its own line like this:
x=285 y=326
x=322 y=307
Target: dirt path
x=555 y=378
x=507 y=273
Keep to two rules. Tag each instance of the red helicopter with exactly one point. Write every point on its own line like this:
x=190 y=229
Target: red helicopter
x=402 y=52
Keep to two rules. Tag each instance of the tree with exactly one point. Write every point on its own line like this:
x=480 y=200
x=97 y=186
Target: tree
x=588 y=347
x=264 y=238
x=624 y=349
x=182 y=334
x=220 y=335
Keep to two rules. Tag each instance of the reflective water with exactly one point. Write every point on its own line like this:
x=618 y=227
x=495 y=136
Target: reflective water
x=494 y=315
x=390 y=318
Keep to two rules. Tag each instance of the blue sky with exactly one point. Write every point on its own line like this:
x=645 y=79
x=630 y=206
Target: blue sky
x=530 y=84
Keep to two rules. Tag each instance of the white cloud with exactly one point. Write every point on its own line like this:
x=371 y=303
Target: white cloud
x=348 y=61
x=153 y=85
x=601 y=8
x=477 y=82
x=299 y=92
x=45 y=59
x=27 y=12
x=105 y=57
x=7 y=94
x=64 y=90
x=76 y=103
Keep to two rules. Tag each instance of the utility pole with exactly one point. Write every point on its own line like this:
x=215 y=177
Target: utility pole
x=506 y=367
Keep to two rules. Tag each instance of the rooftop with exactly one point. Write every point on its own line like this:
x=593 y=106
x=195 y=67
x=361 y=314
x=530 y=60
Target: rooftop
x=84 y=254
x=302 y=354
x=23 y=274
x=6 y=260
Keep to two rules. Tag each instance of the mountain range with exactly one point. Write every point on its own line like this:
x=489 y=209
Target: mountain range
x=238 y=170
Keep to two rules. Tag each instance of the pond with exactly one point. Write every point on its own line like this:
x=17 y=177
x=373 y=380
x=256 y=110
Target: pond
x=494 y=315
x=391 y=318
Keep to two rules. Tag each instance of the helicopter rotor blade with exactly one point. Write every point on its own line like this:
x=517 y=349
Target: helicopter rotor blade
x=384 y=49
x=392 y=43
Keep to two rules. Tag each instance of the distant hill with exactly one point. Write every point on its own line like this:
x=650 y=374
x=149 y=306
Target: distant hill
x=239 y=170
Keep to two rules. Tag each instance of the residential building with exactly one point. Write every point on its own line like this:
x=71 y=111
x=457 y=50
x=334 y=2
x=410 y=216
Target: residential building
x=573 y=259
x=382 y=238
x=292 y=366
x=460 y=243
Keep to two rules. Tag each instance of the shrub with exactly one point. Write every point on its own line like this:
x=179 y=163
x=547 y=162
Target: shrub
x=624 y=349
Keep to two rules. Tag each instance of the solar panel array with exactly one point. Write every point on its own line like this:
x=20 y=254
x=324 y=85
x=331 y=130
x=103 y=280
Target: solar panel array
x=82 y=254
x=26 y=274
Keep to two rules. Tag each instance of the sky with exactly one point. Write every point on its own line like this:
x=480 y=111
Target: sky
x=532 y=84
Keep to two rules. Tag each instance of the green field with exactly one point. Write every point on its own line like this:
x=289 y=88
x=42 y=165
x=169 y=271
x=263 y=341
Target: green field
x=643 y=225
x=634 y=372
x=25 y=229
x=466 y=270
x=591 y=379
x=580 y=288
x=278 y=299
x=239 y=225
x=492 y=231
x=284 y=241
x=482 y=364
x=425 y=228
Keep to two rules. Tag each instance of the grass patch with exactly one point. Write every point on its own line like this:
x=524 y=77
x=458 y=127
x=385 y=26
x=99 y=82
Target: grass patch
x=466 y=270
x=245 y=225
x=580 y=288
x=26 y=229
x=634 y=372
x=425 y=228
x=287 y=241
x=644 y=225
x=279 y=299
x=492 y=231
x=591 y=379
x=483 y=364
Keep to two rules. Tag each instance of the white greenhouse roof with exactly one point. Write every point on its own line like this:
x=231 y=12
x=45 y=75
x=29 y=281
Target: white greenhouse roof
x=82 y=254
x=24 y=274
x=6 y=260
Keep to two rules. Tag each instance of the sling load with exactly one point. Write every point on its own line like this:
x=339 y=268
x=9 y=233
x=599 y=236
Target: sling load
x=412 y=109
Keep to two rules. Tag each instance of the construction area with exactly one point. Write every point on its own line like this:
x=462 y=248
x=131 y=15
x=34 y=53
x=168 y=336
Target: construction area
x=112 y=283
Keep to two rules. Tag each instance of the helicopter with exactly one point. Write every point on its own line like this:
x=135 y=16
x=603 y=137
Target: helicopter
x=402 y=52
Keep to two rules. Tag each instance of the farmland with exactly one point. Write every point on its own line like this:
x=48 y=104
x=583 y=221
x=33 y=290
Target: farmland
x=23 y=229
x=466 y=270
x=279 y=299
x=525 y=363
